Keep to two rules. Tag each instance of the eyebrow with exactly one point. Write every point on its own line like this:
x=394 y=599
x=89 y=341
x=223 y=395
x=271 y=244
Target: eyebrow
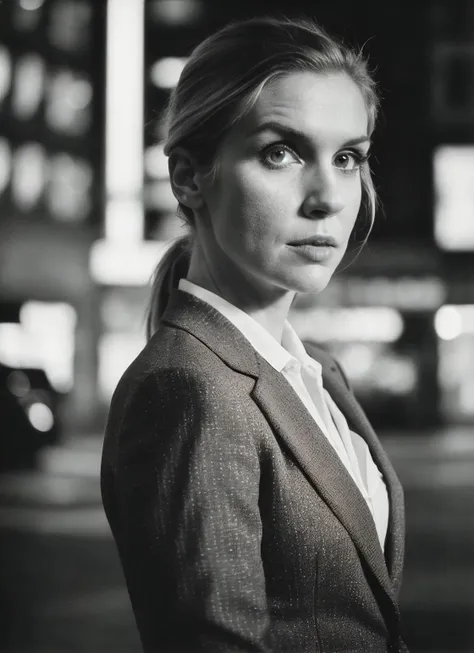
x=296 y=133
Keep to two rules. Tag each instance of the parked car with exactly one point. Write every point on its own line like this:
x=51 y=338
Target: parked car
x=28 y=416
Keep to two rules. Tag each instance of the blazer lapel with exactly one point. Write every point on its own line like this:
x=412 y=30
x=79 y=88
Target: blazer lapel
x=322 y=466
x=359 y=423
x=292 y=423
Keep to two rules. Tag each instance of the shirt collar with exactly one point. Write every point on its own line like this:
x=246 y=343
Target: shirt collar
x=290 y=354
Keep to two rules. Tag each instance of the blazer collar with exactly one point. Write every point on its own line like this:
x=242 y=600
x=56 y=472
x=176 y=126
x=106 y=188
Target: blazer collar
x=302 y=437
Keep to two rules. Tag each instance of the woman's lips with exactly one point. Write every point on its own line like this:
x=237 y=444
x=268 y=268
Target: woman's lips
x=314 y=253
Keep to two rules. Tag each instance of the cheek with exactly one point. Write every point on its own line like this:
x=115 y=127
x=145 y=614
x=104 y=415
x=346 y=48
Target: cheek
x=352 y=204
x=355 y=195
x=251 y=212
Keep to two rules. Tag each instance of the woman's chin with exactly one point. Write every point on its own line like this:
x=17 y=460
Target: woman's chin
x=315 y=282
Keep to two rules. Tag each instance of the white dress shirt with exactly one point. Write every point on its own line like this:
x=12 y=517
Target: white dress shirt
x=305 y=376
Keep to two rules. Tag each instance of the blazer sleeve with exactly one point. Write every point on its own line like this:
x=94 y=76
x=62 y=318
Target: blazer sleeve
x=188 y=525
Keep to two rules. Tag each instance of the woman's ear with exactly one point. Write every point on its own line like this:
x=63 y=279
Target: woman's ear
x=184 y=179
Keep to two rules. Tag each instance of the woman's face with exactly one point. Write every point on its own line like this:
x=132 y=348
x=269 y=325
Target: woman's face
x=288 y=171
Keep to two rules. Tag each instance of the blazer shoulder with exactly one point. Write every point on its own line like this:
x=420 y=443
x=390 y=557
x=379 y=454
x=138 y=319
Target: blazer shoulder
x=168 y=350
x=174 y=363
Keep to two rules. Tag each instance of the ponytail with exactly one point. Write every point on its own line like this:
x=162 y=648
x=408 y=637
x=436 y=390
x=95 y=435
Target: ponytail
x=172 y=267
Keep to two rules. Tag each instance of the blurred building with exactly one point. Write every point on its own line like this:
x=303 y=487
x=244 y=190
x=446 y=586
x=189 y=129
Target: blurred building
x=87 y=208
x=51 y=158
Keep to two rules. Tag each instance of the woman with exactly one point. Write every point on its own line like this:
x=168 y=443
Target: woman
x=253 y=507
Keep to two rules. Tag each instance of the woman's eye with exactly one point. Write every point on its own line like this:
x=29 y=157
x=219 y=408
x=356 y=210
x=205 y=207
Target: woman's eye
x=349 y=161
x=279 y=156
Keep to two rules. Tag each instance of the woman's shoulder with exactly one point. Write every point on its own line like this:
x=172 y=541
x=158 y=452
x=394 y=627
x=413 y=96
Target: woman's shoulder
x=175 y=359
x=175 y=382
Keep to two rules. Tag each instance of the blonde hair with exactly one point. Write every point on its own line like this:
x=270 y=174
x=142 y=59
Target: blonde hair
x=219 y=85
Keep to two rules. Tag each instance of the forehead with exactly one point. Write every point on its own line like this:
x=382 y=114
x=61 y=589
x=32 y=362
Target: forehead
x=321 y=105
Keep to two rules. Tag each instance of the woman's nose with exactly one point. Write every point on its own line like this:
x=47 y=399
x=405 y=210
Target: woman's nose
x=324 y=198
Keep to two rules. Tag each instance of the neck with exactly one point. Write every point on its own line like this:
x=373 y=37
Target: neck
x=269 y=307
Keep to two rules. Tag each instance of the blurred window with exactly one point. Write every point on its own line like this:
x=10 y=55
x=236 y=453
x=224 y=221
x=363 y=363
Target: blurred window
x=69 y=194
x=29 y=175
x=123 y=310
x=125 y=264
x=70 y=25
x=373 y=324
x=454 y=197
x=165 y=72
x=454 y=326
x=28 y=86
x=116 y=352
x=376 y=367
x=49 y=328
x=156 y=163
x=27 y=14
x=408 y=293
x=173 y=13
x=159 y=195
x=124 y=220
x=30 y=5
x=452 y=321
x=68 y=102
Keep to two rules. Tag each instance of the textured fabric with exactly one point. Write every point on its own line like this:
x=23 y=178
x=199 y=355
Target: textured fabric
x=238 y=529
x=305 y=375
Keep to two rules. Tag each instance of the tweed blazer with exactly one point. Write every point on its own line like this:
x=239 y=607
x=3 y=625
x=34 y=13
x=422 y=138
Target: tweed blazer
x=238 y=527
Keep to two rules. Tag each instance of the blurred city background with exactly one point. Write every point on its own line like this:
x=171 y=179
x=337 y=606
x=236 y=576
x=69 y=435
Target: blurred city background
x=85 y=212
